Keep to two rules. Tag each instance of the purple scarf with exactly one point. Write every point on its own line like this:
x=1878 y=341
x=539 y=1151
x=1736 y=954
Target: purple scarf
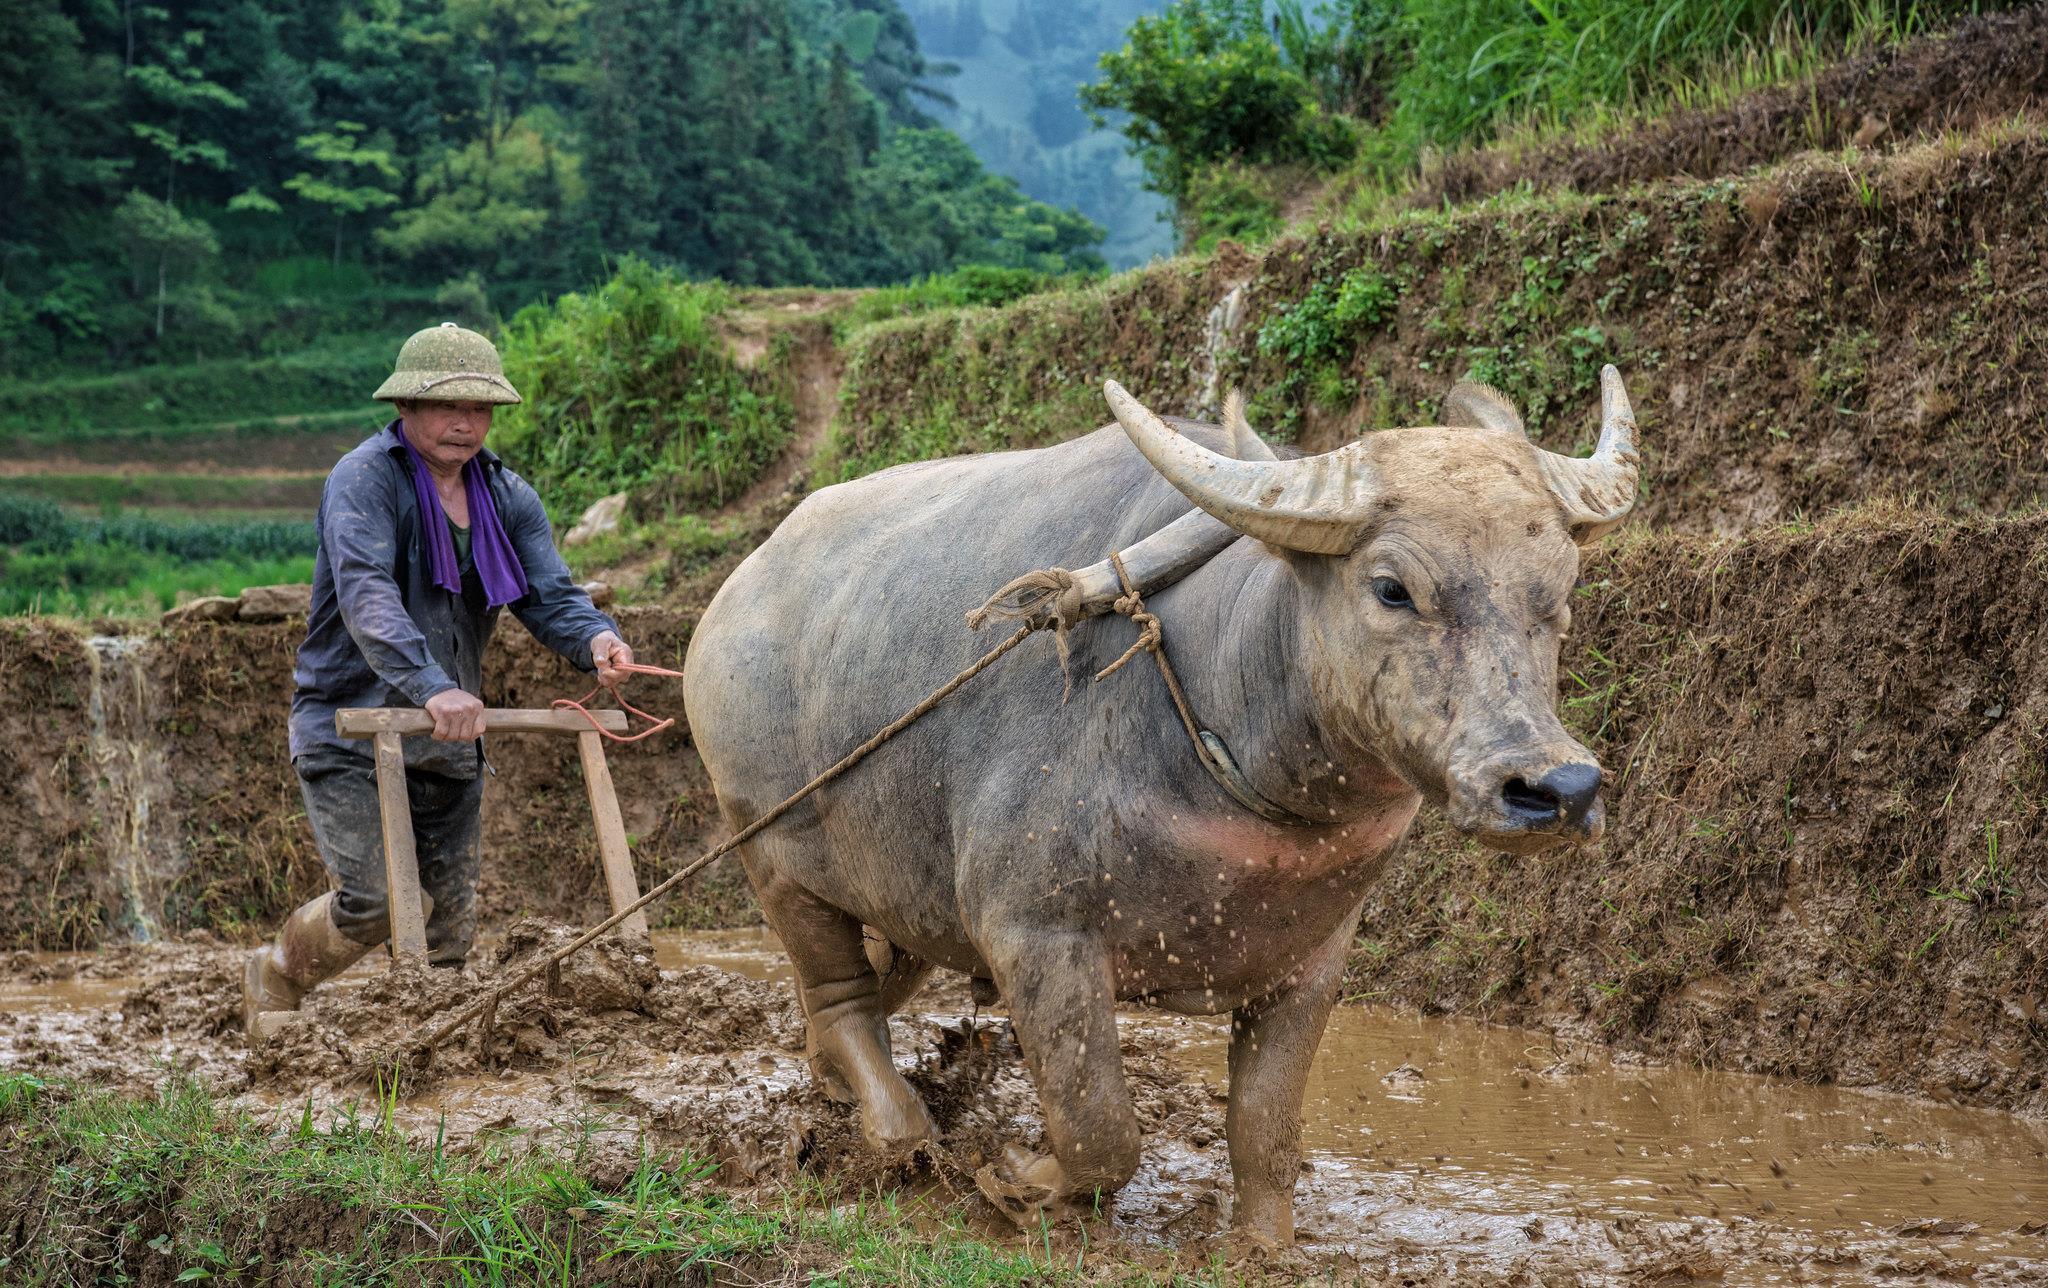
x=496 y=561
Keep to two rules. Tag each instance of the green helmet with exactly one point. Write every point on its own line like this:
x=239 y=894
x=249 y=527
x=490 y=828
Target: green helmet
x=447 y=363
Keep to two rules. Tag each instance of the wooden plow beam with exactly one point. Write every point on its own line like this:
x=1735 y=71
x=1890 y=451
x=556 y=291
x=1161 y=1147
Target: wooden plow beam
x=389 y=726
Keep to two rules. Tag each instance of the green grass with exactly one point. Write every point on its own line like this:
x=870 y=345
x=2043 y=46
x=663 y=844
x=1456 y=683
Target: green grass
x=297 y=492
x=120 y=581
x=331 y=381
x=1528 y=73
x=1480 y=63
x=668 y=549
x=976 y=286
x=173 y=1188
x=123 y=564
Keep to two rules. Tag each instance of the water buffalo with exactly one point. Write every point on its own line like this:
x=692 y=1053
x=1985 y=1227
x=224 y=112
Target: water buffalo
x=1384 y=631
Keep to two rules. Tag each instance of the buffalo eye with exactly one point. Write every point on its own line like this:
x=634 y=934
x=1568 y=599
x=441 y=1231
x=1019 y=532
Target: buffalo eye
x=1391 y=593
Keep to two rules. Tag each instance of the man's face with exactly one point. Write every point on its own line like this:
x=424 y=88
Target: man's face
x=446 y=433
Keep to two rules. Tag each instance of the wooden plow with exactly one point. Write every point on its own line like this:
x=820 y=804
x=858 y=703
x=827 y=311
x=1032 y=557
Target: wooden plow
x=389 y=726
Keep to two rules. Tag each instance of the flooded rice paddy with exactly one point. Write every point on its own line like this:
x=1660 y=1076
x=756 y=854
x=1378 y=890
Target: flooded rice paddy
x=1434 y=1148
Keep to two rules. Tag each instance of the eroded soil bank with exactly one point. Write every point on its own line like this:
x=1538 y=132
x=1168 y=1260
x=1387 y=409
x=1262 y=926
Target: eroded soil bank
x=1437 y=1150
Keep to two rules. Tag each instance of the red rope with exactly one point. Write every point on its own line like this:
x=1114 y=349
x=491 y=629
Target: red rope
x=656 y=723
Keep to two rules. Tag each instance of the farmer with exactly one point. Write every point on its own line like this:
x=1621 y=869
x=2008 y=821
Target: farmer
x=424 y=536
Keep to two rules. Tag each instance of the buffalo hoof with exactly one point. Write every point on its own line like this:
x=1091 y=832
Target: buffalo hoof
x=1266 y=1226
x=1028 y=1188
x=829 y=1079
x=897 y=1125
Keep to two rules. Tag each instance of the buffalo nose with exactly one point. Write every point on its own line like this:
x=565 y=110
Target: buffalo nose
x=1566 y=792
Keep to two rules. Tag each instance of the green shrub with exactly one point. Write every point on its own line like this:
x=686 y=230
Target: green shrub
x=630 y=387
x=1205 y=82
x=1233 y=200
x=1323 y=323
x=1317 y=334
x=975 y=286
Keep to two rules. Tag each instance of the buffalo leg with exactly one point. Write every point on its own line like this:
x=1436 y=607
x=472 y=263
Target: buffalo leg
x=903 y=973
x=1272 y=1042
x=842 y=998
x=1063 y=1006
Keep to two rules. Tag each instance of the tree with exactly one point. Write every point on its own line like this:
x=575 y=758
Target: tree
x=522 y=44
x=1205 y=82
x=178 y=90
x=154 y=229
x=486 y=206
x=933 y=207
x=345 y=158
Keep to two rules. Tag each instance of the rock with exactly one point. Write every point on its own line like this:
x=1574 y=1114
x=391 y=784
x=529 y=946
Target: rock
x=600 y=592
x=207 y=608
x=274 y=603
x=603 y=516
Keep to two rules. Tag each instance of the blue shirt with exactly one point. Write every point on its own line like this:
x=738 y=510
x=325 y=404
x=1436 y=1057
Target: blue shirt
x=382 y=634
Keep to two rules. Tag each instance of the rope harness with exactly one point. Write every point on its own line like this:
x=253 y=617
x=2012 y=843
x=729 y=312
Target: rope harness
x=655 y=723
x=1039 y=600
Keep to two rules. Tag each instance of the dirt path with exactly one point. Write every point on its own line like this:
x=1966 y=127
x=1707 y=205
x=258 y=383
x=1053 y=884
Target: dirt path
x=1443 y=1151
x=817 y=368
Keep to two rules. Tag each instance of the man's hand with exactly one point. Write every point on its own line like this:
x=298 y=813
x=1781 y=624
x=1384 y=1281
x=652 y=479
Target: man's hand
x=608 y=653
x=458 y=716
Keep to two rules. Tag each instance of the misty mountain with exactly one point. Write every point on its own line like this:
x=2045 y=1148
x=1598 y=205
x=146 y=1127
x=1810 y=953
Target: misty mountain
x=1020 y=63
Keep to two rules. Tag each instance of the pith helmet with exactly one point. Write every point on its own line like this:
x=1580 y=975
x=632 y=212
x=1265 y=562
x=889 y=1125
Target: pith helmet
x=447 y=363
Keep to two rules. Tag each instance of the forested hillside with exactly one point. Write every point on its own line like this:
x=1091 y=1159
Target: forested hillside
x=211 y=178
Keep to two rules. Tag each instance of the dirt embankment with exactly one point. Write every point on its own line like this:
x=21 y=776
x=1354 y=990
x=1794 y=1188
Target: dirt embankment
x=1824 y=855
x=1808 y=338
x=54 y=876
x=1986 y=68
x=223 y=843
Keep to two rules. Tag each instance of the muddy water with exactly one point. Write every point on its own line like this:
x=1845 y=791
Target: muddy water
x=1444 y=1132
x=754 y=952
x=62 y=992
x=1434 y=1147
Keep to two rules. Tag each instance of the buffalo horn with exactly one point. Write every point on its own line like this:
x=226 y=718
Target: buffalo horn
x=1315 y=504
x=1598 y=491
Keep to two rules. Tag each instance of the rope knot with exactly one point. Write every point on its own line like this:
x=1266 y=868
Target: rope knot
x=1044 y=599
x=1149 y=632
x=1047 y=598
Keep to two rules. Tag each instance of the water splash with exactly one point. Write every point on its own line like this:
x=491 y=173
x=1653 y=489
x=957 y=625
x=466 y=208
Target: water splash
x=131 y=775
x=1218 y=334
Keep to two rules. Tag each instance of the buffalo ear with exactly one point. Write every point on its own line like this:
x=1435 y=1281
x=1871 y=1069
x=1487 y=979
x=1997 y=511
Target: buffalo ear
x=1471 y=405
x=1245 y=443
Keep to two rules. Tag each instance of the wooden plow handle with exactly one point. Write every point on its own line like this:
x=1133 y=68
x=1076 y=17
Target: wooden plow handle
x=368 y=722
x=388 y=726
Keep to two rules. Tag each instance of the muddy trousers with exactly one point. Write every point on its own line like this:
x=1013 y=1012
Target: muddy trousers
x=447 y=826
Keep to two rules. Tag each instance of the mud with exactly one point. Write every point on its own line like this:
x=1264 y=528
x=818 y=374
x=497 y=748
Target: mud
x=1439 y=1151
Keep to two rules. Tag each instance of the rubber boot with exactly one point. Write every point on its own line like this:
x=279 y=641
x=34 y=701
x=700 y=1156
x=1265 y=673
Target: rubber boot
x=310 y=949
